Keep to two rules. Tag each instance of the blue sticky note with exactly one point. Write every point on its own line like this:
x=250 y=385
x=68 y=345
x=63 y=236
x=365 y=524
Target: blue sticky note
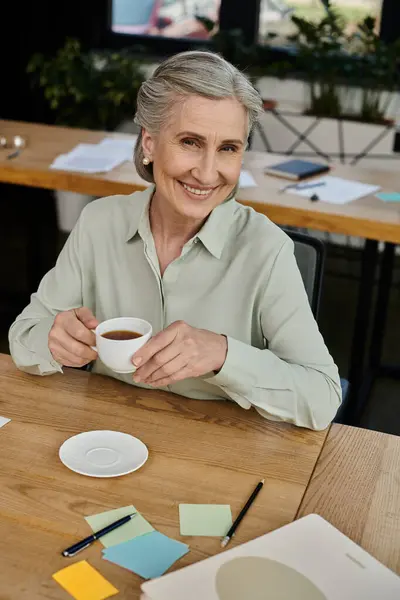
x=389 y=197
x=148 y=555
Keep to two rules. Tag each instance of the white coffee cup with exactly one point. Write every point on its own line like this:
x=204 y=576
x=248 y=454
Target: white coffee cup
x=117 y=354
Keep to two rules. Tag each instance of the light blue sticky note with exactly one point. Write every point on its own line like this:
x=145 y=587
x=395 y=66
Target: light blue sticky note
x=389 y=197
x=148 y=555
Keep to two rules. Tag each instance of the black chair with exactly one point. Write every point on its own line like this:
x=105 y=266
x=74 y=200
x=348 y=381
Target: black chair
x=310 y=256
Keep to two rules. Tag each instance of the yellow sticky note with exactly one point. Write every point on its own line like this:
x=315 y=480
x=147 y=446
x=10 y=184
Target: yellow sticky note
x=83 y=582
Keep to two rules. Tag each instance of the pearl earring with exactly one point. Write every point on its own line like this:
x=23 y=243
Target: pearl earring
x=146 y=161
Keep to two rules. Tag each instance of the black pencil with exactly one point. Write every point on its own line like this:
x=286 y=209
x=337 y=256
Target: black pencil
x=241 y=514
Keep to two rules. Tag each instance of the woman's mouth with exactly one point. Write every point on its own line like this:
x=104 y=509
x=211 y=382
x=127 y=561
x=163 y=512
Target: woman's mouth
x=196 y=191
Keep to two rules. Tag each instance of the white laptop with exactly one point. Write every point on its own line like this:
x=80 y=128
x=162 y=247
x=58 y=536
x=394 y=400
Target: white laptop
x=308 y=559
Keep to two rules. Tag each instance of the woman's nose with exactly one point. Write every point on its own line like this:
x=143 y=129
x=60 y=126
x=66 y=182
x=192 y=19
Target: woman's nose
x=206 y=171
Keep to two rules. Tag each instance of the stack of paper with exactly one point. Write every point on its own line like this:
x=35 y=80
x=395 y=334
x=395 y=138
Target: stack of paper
x=96 y=158
x=308 y=560
x=334 y=190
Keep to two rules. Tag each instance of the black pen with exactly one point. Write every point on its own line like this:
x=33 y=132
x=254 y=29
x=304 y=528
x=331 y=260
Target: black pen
x=72 y=550
x=242 y=513
x=301 y=186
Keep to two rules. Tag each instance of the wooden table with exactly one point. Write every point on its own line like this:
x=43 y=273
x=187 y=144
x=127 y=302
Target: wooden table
x=200 y=452
x=356 y=487
x=368 y=217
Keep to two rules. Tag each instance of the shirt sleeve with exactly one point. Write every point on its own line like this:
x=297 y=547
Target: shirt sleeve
x=59 y=290
x=295 y=379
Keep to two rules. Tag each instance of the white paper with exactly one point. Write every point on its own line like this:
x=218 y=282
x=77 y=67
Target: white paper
x=88 y=164
x=107 y=147
x=246 y=179
x=96 y=158
x=335 y=190
x=126 y=146
x=309 y=552
x=4 y=421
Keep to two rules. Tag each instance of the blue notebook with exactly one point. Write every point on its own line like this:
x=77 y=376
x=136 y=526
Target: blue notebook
x=296 y=169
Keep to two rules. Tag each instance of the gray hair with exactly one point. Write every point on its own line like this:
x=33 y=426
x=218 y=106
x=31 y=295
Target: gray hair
x=197 y=73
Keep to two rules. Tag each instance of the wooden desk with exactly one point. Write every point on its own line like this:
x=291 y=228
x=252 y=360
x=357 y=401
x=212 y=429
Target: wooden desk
x=200 y=452
x=368 y=217
x=356 y=487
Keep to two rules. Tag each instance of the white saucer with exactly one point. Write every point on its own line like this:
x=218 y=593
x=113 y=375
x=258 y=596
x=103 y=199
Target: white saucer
x=103 y=453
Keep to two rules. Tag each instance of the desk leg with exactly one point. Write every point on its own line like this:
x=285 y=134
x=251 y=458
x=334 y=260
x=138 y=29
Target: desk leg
x=360 y=335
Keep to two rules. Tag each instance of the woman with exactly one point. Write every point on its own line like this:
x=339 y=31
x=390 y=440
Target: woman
x=218 y=281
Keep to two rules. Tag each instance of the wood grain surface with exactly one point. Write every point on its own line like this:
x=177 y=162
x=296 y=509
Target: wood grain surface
x=199 y=452
x=356 y=487
x=367 y=217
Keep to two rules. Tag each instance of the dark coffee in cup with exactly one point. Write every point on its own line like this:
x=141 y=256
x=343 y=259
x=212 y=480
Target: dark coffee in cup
x=121 y=334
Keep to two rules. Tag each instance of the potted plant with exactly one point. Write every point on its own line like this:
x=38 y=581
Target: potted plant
x=92 y=90
x=377 y=71
x=351 y=80
x=321 y=59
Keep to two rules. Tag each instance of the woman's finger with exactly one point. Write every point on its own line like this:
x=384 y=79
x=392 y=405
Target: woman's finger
x=156 y=344
x=177 y=376
x=157 y=362
x=67 y=359
x=78 y=331
x=168 y=369
x=61 y=338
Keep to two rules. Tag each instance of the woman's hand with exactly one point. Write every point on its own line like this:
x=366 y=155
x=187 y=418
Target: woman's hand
x=70 y=337
x=179 y=352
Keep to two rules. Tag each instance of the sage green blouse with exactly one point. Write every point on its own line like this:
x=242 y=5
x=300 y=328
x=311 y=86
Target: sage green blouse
x=237 y=276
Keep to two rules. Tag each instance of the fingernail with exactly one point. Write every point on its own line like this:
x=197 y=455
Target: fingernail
x=137 y=361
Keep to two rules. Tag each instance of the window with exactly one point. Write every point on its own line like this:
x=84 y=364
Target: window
x=163 y=27
x=163 y=18
x=275 y=15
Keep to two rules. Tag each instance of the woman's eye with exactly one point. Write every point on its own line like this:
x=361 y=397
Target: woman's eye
x=188 y=142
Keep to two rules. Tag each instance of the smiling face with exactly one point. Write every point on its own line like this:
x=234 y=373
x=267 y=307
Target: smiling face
x=197 y=155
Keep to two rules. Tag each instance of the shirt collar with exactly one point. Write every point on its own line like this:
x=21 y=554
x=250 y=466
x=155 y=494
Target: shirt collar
x=213 y=234
x=140 y=206
x=215 y=230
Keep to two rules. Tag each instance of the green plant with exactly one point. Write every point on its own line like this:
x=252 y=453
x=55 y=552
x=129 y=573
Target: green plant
x=95 y=90
x=334 y=63
x=377 y=70
x=322 y=59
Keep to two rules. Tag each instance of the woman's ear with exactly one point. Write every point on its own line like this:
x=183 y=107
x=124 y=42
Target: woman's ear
x=147 y=144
